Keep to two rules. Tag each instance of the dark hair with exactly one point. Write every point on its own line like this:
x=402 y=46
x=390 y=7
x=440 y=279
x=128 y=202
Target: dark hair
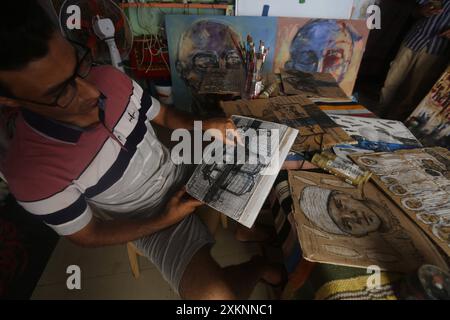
x=25 y=30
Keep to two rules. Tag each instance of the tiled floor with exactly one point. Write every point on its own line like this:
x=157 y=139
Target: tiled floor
x=106 y=274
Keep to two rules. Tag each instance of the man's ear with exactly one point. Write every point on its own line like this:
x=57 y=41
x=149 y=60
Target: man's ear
x=8 y=102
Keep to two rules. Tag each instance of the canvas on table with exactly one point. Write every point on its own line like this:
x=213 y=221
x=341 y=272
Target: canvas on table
x=316 y=129
x=337 y=224
x=373 y=134
x=419 y=182
x=317 y=86
x=430 y=122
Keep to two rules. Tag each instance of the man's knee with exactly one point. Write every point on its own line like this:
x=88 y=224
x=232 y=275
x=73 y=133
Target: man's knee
x=204 y=279
x=206 y=290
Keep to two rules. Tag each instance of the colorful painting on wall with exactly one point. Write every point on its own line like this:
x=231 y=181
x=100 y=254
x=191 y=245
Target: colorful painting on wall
x=201 y=43
x=430 y=122
x=322 y=45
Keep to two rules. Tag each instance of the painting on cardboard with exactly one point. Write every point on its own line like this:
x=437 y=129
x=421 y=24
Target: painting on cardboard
x=378 y=135
x=198 y=44
x=430 y=122
x=316 y=130
x=419 y=182
x=322 y=45
x=316 y=86
x=338 y=224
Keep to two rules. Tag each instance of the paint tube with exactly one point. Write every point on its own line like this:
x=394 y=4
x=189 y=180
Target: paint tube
x=342 y=168
x=268 y=91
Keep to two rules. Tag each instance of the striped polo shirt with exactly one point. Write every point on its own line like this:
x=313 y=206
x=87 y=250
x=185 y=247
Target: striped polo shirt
x=426 y=32
x=65 y=174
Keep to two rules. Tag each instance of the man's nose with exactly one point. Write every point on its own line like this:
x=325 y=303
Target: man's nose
x=86 y=90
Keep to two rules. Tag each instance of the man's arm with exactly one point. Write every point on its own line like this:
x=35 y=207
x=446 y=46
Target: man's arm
x=103 y=233
x=173 y=119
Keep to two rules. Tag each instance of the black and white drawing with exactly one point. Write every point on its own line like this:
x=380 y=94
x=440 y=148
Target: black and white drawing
x=239 y=188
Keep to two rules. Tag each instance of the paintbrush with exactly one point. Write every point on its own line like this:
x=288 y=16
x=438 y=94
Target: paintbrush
x=237 y=46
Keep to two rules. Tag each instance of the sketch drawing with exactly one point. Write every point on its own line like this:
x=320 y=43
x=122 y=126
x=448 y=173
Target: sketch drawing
x=339 y=213
x=360 y=229
x=316 y=129
x=322 y=45
x=377 y=135
x=239 y=188
x=419 y=182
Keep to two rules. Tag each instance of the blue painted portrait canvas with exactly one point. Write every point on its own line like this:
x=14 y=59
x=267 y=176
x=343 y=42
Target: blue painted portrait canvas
x=322 y=45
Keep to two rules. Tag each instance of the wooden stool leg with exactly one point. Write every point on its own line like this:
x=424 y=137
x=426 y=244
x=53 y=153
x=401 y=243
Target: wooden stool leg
x=224 y=221
x=133 y=258
x=298 y=278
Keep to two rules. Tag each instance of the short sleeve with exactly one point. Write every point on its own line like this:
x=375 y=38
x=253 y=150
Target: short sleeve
x=66 y=212
x=154 y=109
x=146 y=101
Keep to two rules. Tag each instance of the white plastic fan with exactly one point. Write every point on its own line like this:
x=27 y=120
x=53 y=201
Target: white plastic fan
x=103 y=27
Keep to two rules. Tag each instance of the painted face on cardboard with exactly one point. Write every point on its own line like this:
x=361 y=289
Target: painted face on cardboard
x=323 y=46
x=352 y=216
x=207 y=45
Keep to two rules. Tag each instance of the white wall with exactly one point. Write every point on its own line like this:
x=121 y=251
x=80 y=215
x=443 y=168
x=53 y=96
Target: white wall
x=360 y=8
x=333 y=9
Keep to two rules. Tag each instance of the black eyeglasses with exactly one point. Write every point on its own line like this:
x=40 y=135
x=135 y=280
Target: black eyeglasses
x=68 y=92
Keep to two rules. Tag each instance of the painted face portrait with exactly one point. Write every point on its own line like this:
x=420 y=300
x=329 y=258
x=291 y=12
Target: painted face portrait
x=338 y=213
x=352 y=216
x=323 y=46
x=207 y=45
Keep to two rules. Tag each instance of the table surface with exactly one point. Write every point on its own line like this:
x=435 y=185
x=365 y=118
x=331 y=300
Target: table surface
x=309 y=280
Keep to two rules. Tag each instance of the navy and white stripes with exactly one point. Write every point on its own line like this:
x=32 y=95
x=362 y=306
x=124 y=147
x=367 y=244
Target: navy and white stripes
x=426 y=32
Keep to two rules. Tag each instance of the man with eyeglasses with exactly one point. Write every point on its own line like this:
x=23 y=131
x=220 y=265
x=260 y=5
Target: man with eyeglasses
x=97 y=175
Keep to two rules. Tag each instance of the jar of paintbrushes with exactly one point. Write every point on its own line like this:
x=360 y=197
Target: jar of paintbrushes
x=253 y=57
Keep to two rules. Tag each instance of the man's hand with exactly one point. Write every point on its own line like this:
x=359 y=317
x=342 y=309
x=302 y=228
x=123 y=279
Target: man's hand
x=446 y=34
x=227 y=129
x=429 y=10
x=179 y=207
